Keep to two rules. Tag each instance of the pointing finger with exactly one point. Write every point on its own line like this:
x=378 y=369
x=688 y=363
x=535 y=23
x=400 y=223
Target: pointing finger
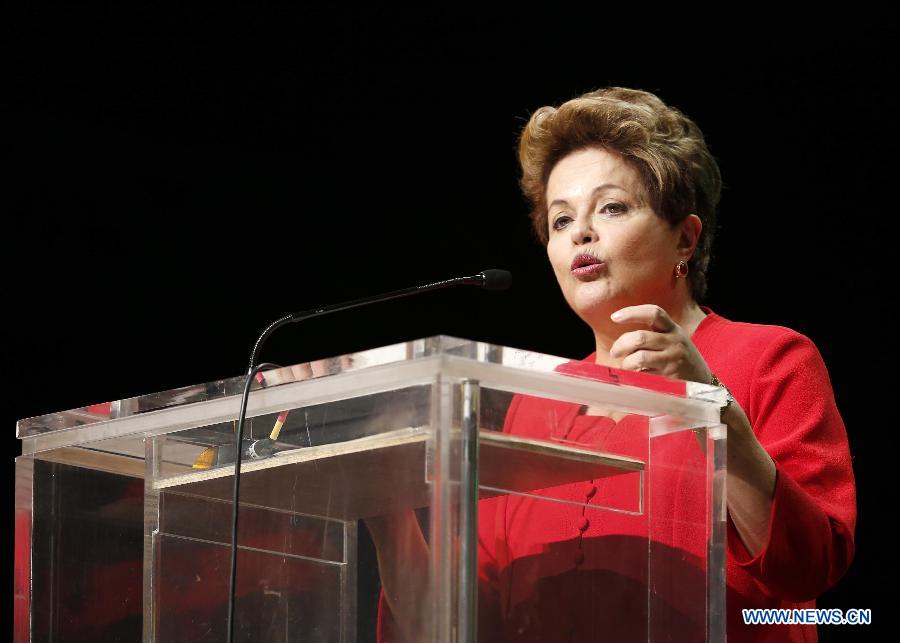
x=650 y=314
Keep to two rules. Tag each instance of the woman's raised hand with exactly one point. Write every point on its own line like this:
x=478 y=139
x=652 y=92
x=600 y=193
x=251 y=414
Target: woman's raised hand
x=662 y=347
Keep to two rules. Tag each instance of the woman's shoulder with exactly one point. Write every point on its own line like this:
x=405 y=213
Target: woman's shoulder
x=747 y=355
x=717 y=333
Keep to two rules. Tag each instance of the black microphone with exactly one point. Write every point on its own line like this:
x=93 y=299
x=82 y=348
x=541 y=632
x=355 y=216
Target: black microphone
x=492 y=279
x=495 y=279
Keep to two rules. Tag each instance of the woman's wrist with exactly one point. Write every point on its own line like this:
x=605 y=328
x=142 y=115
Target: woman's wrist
x=747 y=458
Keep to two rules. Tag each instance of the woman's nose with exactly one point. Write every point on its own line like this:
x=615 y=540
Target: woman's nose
x=583 y=231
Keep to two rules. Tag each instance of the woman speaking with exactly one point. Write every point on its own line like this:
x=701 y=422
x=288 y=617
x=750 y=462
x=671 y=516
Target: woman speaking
x=623 y=193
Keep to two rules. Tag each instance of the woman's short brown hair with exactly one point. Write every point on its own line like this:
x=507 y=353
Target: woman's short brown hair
x=666 y=148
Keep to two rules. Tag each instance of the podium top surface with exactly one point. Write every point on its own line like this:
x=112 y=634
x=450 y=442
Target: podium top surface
x=377 y=370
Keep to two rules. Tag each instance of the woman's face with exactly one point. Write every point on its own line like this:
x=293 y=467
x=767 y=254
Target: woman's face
x=607 y=246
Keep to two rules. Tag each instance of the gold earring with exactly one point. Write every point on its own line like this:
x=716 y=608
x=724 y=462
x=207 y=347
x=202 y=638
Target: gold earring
x=681 y=269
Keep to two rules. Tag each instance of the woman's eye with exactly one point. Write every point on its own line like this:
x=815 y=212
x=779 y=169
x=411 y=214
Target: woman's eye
x=613 y=209
x=561 y=222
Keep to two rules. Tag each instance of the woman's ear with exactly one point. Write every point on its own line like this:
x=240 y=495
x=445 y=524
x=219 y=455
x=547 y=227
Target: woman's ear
x=689 y=234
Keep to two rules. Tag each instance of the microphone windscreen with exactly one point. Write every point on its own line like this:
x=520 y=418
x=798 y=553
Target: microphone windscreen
x=496 y=279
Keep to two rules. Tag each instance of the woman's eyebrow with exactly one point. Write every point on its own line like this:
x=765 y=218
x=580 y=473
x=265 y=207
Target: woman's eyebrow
x=594 y=193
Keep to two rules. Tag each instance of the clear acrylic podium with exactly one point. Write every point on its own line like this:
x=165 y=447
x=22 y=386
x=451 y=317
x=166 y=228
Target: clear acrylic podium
x=435 y=490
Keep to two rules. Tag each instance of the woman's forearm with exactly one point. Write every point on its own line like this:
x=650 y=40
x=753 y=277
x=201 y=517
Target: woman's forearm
x=403 y=565
x=751 y=481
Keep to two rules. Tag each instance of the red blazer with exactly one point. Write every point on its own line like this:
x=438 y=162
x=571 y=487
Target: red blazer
x=560 y=571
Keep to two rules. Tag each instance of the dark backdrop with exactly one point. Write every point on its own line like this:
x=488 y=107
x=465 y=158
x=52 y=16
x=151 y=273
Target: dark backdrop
x=174 y=180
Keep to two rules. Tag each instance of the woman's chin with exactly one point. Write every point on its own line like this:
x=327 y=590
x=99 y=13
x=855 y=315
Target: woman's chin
x=591 y=309
x=595 y=307
x=590 y=293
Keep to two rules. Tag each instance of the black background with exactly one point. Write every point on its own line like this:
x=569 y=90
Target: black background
x=176 y=179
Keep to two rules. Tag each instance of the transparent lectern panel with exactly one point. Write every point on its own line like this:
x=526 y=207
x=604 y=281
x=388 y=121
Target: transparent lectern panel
x=279 y=596
x=86 y=554
x=688 y=511
x=542 y=446
x=595 y=522
x=398 y=589
x=331 y=465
